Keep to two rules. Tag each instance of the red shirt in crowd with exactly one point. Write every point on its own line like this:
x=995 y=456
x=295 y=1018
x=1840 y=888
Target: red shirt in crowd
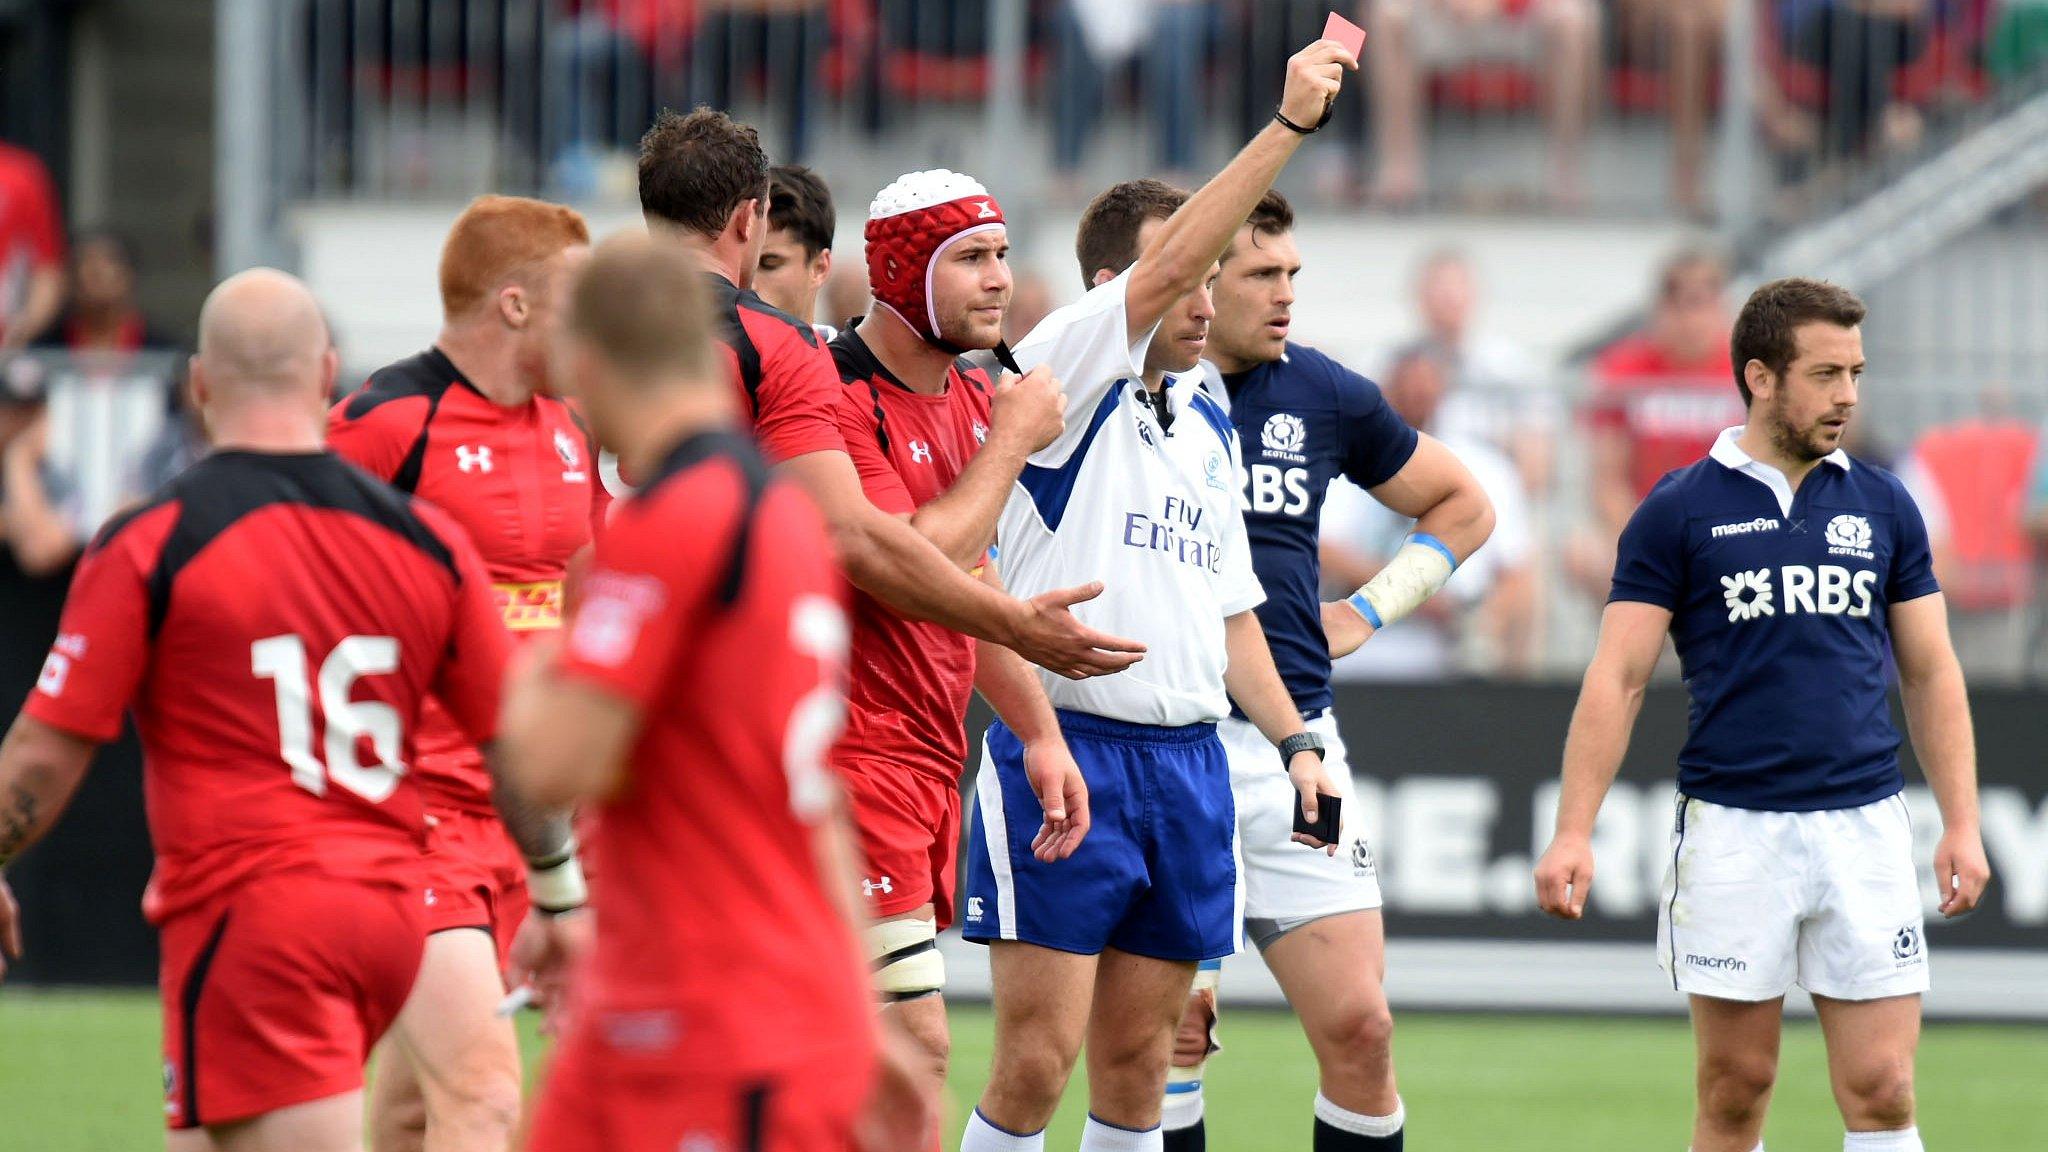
x=31 y=228
x=1669 y=410
x=276 y=622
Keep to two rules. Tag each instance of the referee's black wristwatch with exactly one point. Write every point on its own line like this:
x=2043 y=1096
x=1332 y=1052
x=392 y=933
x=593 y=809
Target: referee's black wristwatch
x=1298 y=743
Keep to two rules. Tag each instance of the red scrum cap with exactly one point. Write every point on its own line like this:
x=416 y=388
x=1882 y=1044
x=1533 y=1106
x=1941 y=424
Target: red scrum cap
x=912 y=222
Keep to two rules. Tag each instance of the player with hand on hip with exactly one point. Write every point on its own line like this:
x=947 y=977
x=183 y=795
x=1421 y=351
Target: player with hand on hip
x=278 y=718
x=1141 y=483
x=1785 y=571
x=939 y=445
x=1305 y=421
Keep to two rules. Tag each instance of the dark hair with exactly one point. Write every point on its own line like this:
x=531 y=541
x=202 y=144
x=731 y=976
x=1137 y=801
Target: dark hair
x=1108 y=236
x=1764 y=331
x=800 y=202
x=696 y=169
x=1271 y=216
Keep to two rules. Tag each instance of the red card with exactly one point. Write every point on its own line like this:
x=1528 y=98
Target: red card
x=1344 y=32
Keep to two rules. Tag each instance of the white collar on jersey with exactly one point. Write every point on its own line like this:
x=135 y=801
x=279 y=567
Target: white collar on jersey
x=1729 y=454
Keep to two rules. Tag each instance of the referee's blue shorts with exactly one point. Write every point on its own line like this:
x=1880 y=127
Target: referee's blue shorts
x=1156 y=874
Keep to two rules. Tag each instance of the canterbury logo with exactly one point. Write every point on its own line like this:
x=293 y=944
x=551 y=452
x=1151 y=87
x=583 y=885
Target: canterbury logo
x=477 y=459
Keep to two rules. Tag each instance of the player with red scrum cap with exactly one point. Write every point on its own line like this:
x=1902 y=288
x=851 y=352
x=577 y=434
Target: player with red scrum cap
x=939 y=445
x=704 y=182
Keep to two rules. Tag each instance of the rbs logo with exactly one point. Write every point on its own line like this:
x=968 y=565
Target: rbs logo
x=1829 y=590
x=1275 y=489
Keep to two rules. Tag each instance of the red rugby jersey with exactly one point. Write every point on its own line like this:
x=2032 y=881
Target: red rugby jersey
x=784 y=374
x=276 y=622
x=712 y=609
x=521 y=481
x=911 y=679
x=1669 y=410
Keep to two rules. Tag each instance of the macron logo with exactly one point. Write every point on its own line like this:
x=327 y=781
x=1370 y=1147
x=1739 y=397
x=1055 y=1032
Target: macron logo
x=1745 y=527
x=987 y=211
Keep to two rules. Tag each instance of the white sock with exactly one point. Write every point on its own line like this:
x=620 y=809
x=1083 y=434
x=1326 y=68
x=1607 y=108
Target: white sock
x=1358 y=1123
x=1897 y=1140
x=982 y=1136
x=1098 y=1136
x=1181 y=1109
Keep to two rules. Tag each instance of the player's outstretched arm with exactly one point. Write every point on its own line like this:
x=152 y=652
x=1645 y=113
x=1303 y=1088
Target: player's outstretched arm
x=1938 y=720
x=1011 y=687
x=1197 y=235
x=40 y=770
x=886 y=558
x=1451 y=513
x=1027 y=413
x=1631 y=638
x=1255 y=684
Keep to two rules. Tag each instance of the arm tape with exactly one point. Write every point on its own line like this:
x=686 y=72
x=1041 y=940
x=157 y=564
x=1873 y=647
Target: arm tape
x=1415 y=574
x=556 y=885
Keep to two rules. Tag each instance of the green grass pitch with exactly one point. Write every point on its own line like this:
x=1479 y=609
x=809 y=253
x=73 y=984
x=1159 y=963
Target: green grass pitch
x=79 y=1073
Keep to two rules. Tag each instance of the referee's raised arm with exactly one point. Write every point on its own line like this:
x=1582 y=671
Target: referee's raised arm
x=1196 y=237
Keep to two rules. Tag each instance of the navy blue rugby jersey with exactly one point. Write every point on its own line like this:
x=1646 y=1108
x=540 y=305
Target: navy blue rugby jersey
x=1779 y=605
x=1304 y=420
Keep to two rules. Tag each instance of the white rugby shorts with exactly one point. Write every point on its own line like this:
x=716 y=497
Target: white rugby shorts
x=1286 y=884
x=1755 y=902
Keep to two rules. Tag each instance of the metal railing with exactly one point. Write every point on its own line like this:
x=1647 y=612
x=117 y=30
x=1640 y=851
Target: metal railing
x=1544 y=104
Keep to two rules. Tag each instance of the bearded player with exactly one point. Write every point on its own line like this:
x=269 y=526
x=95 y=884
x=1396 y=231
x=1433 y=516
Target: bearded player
x=936 y=443
x=1305 y=422
x=276 y=619
x=469 y=425
x=1791 y=577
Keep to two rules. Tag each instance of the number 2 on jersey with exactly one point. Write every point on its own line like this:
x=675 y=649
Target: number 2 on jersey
x=282 y=660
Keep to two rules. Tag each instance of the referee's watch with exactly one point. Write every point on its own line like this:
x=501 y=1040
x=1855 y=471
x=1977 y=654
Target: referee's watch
x=1300 y=742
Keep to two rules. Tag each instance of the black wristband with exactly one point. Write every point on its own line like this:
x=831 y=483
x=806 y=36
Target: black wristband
x=1280 y=117
x=1298 y=743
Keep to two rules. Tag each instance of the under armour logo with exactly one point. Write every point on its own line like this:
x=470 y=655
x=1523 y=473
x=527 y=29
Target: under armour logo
x=920 y=452
x=868 y=888
x=477 y=459
x=986 y=210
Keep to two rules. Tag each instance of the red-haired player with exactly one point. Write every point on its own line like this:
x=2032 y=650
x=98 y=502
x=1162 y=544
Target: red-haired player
x=470 y=426
x=276 y=619
x=691 y=699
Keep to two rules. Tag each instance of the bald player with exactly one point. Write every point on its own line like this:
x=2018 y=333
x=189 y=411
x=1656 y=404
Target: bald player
x=277 y=693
